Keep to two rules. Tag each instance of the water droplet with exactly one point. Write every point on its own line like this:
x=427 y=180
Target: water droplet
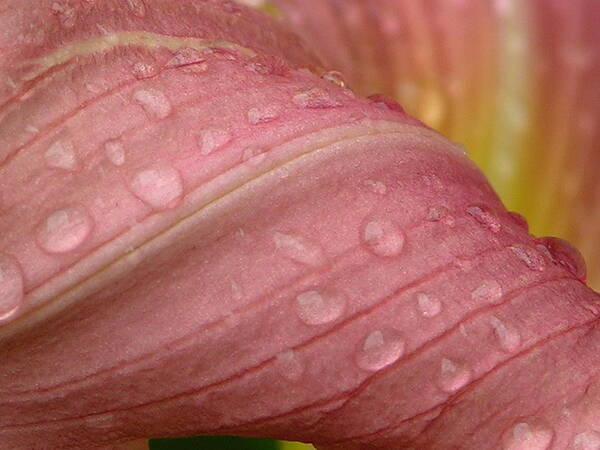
x=115 y=152
x=137 y=8
x=186 y=57
x=145 y=70
x=383 y=102
x=488 y=291
x=508 y=337
x=261 y=115
x=315 y=98
x=154 y=102
x=161 y=187
x=335 y=77
x=11 y=287
x=519 y=220
x=61 y=155
x=529 y=256
x=377 y=187
x=525 y=437
x=64 y=229
x=439 y=213
x=231 y=7
x=383 y=237
x=428 y=305
x=564 y=254
x=433 y=181
x=485 y=218
x=588 y=440
x=453 y=376
x=299 y=249
x=319 y=307
x=67 y=15
x=288 y=365
x=211 y=140
x=380 y=349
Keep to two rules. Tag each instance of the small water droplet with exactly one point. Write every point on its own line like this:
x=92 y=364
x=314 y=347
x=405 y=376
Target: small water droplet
x=261 y=115
x=299 y=249
x=67 y=15
x=383 y=102
x=429 y=305
x=453 y=376
x=433 y=181
x=185 y=57
x=154 y=102
x=485 y=218
x=161 y=187
x=137 y=8
x=335 y=77
x=508 y=337
x=488 y=291
x=315 y=98
x=383 y=237
x=566 y=255
x=380 y=349
x=64 y=230
x=588 y=440
x=231 y=7
x=439 y=213
x=319 y=307
x=145 y=70
x=11 y=287
x=115 y=152
x=529 y=256
x=377 y=187
x=525 y=437
x=61 y=155
x=288 y=365
x=211 y=140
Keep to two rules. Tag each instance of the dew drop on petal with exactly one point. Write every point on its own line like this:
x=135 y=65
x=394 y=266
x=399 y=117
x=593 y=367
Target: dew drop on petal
x=383 y=102
x=429 y=305
x=289 y=366
x=383 y=238
x=488 y=291
x=485 y=218
x=566 y=255
x=261 y=115
x=64 y=230
x=185 y=57
x=11 y=287
x=145 y=70
x=61 y=155
x=508 y=337
x=299 y=249
x=524 y=436
x=587 y=440
x=377 y=187
x=160 y=187
x=335 y=77
x=319 y=307
x=439 y=213
x=115 y=152
x=315 y=98
x=453 y=376
x=380 y=349
x=212 y=139
x=154 y=102
x=529 y=256
x=137 y=8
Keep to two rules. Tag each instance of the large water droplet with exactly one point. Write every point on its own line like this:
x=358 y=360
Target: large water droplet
x=335 y=77
x=429 y=305
x=137 y=7
x=315 y=98
x=383 y=102
x=160 y=187
x=319 y=307
x=61 y=155
x=299 y=249
x=377 y=187
x=588 y=440
x=508 y=336
x=564 y=254
x=488 y=291
x=380 y=349
x=526 y=437
x=453 y=376
x=261 y=115
x=154 y=102
x=11 y=287
x=145 y=70
x=529 y=256
x=211 y=140
x=64 y=229
x=383 y=237
x=289 y=366
x=485 y=218
x=115 y=152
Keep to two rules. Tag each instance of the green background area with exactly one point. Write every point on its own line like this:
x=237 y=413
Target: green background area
x=224 y=443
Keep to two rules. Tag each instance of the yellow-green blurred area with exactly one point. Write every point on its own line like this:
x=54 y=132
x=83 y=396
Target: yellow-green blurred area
x=224 y=443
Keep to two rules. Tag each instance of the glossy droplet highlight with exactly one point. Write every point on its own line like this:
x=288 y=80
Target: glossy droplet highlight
x=160 y=187
x=377 y=187
x=155 y=102
x=315 y=98
x=299 y=249
x=429 y=305
x=488 y=291
x=115 y=152
x=261 y=115
x=137 y=7
x=61 y=155
x=186 y=57
x=588 y=440
x=529 y=256
x=380 y=349
x=524 y=436
x=64 y=230
x=508 y=337
x=485 y=218
x=383 y=102
x=439 y=213
x=564 y=254
x=335 y=77
x=383 y=238
x=319 y=307
x=145 y=70
x=453 y=376
x=11 y=287
x=212 y=140
x=289 y=365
